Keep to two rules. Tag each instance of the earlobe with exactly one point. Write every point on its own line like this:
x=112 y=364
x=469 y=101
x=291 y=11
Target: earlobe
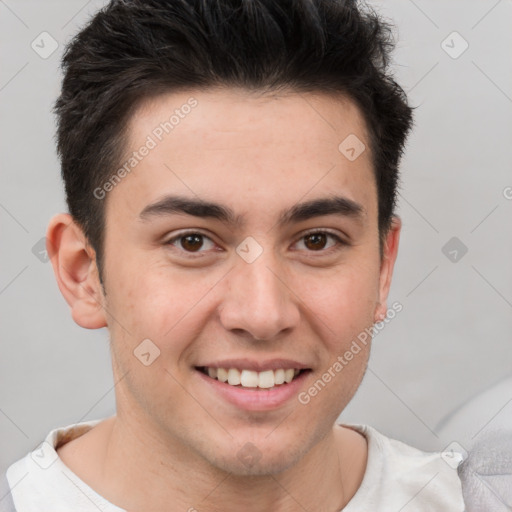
x=74 y=265
x=390 y=251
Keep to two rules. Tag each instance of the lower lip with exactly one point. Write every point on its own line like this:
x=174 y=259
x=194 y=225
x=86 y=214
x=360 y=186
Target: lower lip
x=256 y=399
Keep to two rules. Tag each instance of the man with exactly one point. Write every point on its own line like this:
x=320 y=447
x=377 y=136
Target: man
x=230 y=171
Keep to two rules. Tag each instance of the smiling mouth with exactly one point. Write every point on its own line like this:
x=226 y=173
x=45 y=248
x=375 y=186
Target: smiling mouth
x=250 y=379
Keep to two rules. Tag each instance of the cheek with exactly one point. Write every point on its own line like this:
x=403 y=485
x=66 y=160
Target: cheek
x=341 y=308
x=159 y=303
x=344 y=298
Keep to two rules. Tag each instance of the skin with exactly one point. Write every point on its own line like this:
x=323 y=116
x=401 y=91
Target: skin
x=173 y=439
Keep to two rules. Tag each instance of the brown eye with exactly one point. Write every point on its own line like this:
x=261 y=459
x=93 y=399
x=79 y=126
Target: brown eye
x=191 y=242
x=315 y=241
x=318 y=241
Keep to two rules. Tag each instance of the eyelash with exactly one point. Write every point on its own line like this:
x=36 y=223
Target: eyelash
x=339 y=245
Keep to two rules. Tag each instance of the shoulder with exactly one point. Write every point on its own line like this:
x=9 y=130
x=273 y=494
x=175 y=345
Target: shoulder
x=41 y=481
x=6 y=503
x=399 y=476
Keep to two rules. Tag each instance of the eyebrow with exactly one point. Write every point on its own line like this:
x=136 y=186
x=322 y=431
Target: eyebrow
x=176 y=205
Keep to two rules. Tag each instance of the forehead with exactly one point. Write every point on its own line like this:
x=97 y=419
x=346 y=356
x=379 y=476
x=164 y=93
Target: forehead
x=246 y=149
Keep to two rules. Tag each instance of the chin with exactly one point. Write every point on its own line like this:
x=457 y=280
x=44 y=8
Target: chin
x=259 y=458
x=264 y=467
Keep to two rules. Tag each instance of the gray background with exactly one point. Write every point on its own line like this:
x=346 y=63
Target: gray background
x=452 y=339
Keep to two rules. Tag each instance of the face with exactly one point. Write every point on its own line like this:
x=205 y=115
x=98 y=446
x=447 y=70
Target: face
x=276 y=268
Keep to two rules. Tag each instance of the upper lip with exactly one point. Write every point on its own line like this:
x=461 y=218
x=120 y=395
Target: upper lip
x=257 y=366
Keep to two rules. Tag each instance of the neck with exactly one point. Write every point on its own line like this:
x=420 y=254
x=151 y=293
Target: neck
x=133 y=463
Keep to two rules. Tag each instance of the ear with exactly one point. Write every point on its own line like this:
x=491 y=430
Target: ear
x=389 y=253
x=74 y=265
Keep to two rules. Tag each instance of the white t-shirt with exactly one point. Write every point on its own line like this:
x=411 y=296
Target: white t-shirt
x=398 y=477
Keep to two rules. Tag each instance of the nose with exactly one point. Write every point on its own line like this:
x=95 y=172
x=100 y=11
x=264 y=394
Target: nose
x=259 y=301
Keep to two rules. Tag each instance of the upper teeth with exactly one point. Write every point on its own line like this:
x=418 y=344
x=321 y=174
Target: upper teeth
x=252 y=379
